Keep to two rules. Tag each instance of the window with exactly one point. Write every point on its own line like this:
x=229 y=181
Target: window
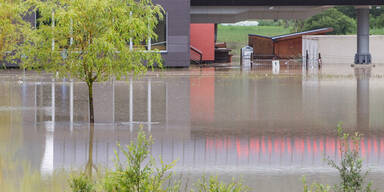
x=161 y=30
x=162 y=33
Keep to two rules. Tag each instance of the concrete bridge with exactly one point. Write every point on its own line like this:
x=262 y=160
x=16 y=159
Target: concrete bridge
x=228 y=11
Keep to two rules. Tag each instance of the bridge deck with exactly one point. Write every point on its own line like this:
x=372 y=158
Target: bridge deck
x=283 y=2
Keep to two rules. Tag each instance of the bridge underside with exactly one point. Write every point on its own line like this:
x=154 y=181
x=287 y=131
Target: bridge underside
x=231 y=14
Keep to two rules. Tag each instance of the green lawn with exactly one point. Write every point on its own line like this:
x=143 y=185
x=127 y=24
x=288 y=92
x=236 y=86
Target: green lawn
x=236 y=37
x=377 y=31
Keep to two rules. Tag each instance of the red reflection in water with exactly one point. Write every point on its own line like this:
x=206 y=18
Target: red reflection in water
x=321 y=145
x=301 y=146
x=277 y=145
x=269 y=146
x=314 y=146
x=242 y=150
x=263 y=144
x=382 y=145
x=289 y=147
x=255 y=145
x=219 y=144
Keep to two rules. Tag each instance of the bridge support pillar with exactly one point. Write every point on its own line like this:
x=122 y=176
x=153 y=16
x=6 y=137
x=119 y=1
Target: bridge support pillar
x=363 y=55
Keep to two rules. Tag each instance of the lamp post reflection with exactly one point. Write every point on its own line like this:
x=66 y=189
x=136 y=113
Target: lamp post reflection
x=47 y=166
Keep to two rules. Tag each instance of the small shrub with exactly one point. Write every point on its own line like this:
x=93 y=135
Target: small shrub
x=139 y=173
x=315 y=187
x=351 y=165
x=214 y=185
x=81 y=183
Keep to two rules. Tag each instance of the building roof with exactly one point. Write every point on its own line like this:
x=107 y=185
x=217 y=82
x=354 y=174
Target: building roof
x=296 y=35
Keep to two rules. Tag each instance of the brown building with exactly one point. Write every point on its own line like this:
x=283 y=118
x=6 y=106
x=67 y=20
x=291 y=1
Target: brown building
x=283 y=46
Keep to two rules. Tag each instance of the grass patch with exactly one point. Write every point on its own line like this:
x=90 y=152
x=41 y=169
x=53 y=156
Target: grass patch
x=377 y=31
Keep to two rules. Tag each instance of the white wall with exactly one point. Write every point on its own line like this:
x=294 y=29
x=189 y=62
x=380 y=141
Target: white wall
x=335 y=49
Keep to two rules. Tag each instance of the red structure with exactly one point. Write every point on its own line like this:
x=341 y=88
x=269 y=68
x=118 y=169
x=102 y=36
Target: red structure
x=203 y=39
x=283 y=46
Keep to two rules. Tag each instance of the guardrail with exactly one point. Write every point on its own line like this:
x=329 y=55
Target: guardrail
x=196 y=55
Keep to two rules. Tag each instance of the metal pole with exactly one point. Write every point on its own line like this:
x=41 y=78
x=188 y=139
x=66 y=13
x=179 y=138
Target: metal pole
x=362 y=56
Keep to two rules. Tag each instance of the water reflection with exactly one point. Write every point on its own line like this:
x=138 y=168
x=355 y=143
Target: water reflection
x=363 y=74
x=211 y=120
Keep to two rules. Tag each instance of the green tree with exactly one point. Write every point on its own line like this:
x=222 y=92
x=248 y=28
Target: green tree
x=349 y=11
x=341 y=23
x=90 y=40
x=379 y=21
x=11 y=24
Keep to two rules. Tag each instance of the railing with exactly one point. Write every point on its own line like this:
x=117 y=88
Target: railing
x=196 y=55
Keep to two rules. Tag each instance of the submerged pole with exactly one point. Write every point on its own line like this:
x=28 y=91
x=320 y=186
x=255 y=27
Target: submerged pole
x=363 y=55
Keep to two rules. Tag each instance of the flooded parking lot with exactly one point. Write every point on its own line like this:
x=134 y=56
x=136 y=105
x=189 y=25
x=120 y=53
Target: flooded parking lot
x=268 y=127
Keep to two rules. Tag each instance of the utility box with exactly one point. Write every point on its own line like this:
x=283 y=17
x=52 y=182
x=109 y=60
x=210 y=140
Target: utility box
x=246 y=55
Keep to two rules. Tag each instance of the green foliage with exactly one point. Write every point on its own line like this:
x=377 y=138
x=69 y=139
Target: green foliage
x=378 y=22
x=81 y=183
x=377 y=31
x=89 y=40
x=214 y=185
x=315 y=187
x=349 y=11
x=341 y=23
x=376 y=11
x=351 y=165
x=269 y=22
x=139 y=173
x=11 y=25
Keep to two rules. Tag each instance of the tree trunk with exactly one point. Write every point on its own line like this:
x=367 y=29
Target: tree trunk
x=89 y=166
x=90 y=100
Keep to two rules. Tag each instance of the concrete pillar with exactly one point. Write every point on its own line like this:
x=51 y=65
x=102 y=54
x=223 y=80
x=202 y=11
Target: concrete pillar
x=362 y=56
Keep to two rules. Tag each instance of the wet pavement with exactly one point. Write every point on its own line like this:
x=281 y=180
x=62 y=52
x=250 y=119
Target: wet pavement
x=268 y=126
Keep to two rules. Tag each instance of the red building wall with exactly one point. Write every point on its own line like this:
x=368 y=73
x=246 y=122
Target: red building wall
x=203 y=39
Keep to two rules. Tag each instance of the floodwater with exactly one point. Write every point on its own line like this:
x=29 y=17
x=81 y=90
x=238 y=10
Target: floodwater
x=269 y=127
